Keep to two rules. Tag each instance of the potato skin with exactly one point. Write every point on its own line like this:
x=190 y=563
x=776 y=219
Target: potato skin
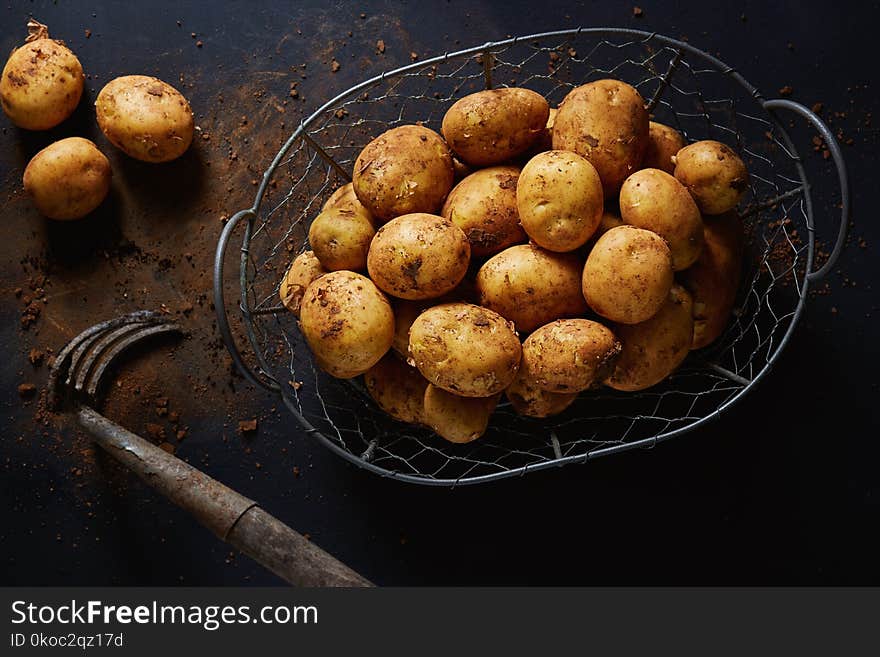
x=302 y=271
x=663 y=143
x=145 y=118
x=347 y=322
x=68 y=179
x=344 y=198
x=465 y=349
x=41 y=84
x=341 y=239
x=531 y=286
x=457 y=419
x=653 y=349
x=713 y=280
x=418 y=256
x=493 y=126
x=528 y=399
x=628 y=275
x=714 y=175
x=656 y=201
x=560 y=200
x=404 y=170
x=397 y=388
x=571 y=355
x=605 y=122
x=483 y=205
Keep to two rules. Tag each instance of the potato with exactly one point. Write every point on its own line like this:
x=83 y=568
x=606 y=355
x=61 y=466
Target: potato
x=398 y=389
x=457 y=419
x=42 y=82
x=483 y=205
x=418 y=256
x=605 y=122
x=609 y=220
x=570 y=355
x=653 y=349
x=68 y=179
x=465 y=349
x=404 y=170
x=344 y=198
x=145 y=118
x=496 y=125
x=460 y=169
x=347 y=322
x=560 y=200
x=341 y=239
x=663 y=143
x=713 y=280
x=302 y=271
x=714 y=175
x=528 y=399
x=531 y=286
x=544 y=142
x=628 y=275
x=654 y=200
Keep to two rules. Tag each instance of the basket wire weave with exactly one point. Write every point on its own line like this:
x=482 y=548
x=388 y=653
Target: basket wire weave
x=685 y=88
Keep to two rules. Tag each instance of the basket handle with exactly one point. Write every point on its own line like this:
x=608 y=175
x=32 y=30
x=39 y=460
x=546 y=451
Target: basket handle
x=837 y=155
x=220 y=304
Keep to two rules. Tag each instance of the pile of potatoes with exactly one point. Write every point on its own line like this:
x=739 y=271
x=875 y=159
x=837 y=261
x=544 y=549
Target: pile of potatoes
x=526 y=251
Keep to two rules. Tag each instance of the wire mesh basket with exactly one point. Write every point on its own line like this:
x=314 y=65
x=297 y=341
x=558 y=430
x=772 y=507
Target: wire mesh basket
x=685 y=88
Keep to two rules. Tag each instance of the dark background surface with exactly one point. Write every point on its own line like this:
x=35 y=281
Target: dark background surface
x=783 y=490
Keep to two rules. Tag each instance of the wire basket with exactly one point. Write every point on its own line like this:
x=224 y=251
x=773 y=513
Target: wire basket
x=685 y=88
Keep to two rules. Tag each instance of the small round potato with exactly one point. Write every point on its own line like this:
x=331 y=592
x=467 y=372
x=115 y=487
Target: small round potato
x=398 y=389
x=404 y=170
x=628 y=275
x=653 y=349
x=347 y=322
x=465 y=349
x=494 y=126
x=457 y=419
x=605 y=122
x=528 y=399
x=654 y=200
x=663 y=143
x=531 y=286
x=68 y=179
x=483 y=205
x=544 y=142
x=145 y=118
x=344 y=198
x=560 y=200
x=714 y=175
x=41 y=84
x=405 y=313
x=570 y=355
x=302 y=271
x=418 y=256
x=341 y=239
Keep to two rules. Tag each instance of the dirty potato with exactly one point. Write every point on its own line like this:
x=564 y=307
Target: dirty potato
x=493 y=126
x=404 y=170
x=465 y=349
x=714 y=175
x=68 y=179
x=341 y=238
x=560 y=200
x=418 y=256
x=397 y=388
x=528 y=399
x=344 y=198
x=663 y=143
x=347 y=322
x=457 y=419
x=145 y=118
x=483 y=205
x=531 y=286
x=605 y=122
x=302 y=271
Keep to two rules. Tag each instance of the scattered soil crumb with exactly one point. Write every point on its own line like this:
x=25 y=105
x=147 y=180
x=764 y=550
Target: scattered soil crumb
x=26 y=390
x=638 y=12
x=380 y=47
x=247 y=426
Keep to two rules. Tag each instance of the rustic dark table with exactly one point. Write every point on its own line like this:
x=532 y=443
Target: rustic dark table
x=783 y=490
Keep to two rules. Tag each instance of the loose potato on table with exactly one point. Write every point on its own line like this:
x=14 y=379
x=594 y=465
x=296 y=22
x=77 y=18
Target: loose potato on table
x=531 y=286
x=483 y=205
x=418 y=256
x=652 y=350
x=341 y=239
x=404 y=170
x=397 y=388
x=560 y=200
x=457 y=419
x=628 y=275
x=145 y=118
x=302 y=271
x=570 y=355
x=605 y=122
x=713 y=174
x=663 y=143
x=68 y=179
x=344 y=198
x=465 y=349
x=494 y=126
x=528 y=399
x=656 y=201
x=347 y=322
